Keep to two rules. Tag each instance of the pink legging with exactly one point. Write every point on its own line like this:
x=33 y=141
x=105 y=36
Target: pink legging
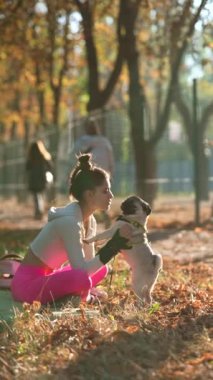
x=32 y=283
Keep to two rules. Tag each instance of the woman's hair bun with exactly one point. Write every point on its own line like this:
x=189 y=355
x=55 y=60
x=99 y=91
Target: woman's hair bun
x=85 y=162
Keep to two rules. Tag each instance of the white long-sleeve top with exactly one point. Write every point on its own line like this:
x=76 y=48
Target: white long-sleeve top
x=61 y=240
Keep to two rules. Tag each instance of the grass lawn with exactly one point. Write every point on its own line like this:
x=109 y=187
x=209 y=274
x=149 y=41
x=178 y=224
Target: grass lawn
x=119 y=339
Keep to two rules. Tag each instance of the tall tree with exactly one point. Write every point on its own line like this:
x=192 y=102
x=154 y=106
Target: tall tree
x=177 y=25
x=201 y=51
x=58 y=53
x=169 y=26
x=99 y=95
x=197 y=147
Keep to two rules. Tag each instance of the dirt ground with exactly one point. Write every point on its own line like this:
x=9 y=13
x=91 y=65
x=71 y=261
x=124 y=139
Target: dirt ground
x=172 y=228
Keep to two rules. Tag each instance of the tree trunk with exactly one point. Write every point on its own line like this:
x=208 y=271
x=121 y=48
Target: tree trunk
x=98 y=95
x=146 y=167
x=197 y=147
x=203 y=166
x=145 y=162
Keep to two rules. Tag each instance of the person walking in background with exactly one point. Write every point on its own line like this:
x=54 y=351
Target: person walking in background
x=39 y=169
x=102 y=154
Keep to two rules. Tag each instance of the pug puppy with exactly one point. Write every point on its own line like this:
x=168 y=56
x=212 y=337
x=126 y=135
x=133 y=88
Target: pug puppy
x=144 y=262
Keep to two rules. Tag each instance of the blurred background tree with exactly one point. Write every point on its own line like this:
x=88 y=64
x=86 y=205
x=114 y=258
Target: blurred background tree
x=57 y=56
x=158 y=35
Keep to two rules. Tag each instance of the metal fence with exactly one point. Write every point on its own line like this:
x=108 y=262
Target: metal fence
x=174 y=174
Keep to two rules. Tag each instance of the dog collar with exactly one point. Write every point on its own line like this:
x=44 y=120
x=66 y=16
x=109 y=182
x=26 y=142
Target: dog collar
x=133 y=222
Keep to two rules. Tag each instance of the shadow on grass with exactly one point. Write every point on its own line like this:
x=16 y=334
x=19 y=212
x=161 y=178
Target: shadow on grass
x=143 y=354
x=161 y=234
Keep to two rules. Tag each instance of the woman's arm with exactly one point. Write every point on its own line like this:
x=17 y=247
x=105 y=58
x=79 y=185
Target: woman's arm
x=71 y=235
x=89 y=249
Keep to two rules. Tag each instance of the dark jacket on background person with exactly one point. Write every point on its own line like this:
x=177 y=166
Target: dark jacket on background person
x=39 y=162
x=36 y=172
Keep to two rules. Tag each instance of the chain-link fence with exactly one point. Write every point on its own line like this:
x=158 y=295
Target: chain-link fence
x=174 y=169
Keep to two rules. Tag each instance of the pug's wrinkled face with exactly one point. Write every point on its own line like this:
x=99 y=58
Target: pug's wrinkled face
x=135 y=205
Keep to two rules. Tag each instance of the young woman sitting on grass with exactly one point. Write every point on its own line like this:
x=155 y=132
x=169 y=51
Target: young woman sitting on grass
x=58 y=262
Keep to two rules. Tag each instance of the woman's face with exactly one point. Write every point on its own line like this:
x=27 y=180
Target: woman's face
x=102 y=196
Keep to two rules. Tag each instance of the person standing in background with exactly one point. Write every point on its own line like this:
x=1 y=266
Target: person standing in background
x=39 y=168
x=98 y=145
x=102 y=153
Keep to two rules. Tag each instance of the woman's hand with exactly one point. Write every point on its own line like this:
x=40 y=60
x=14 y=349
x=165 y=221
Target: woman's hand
x=126 y=231
x=119 y=242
